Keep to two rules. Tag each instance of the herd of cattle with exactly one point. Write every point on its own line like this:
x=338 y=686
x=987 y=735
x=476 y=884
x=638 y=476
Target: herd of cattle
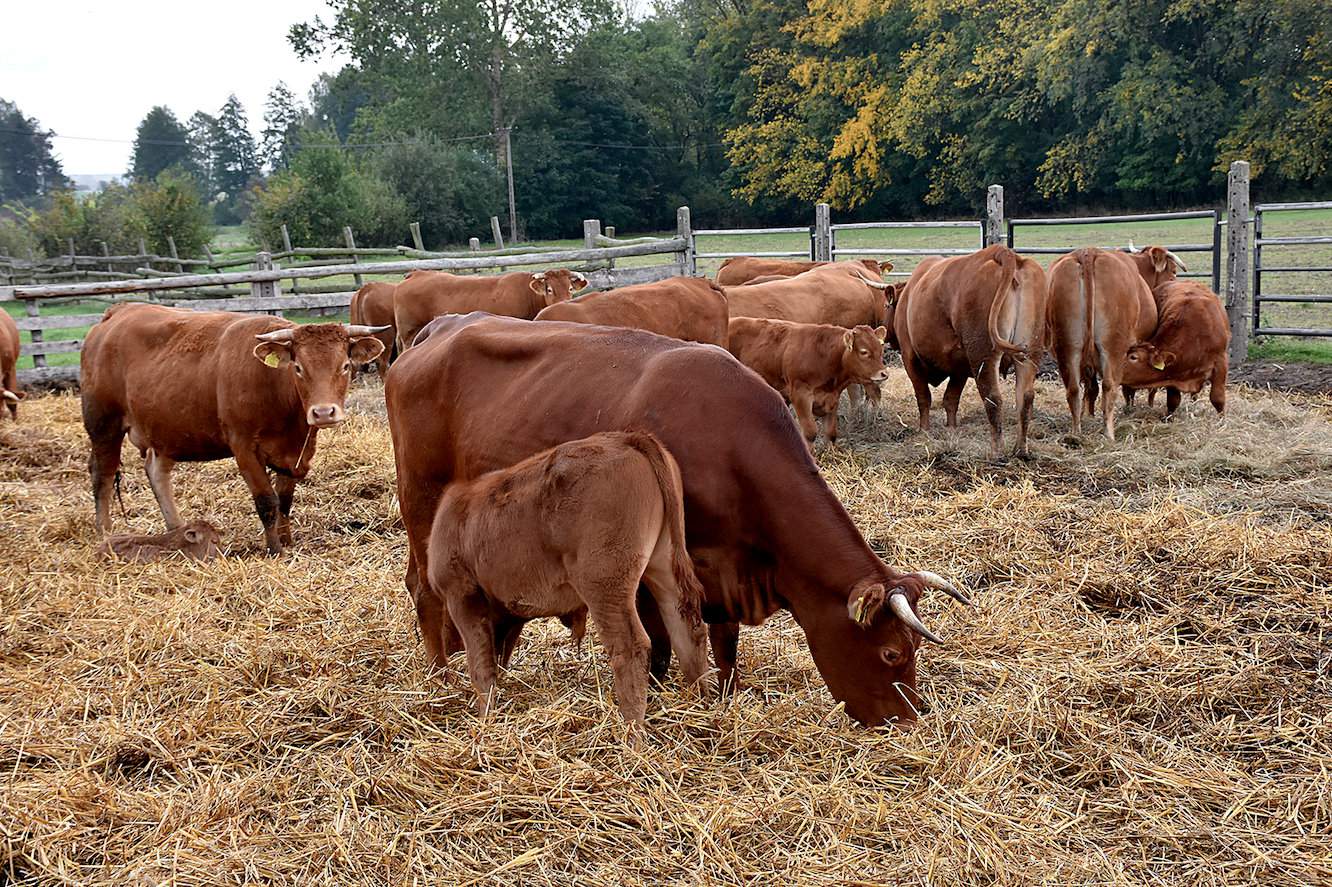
x=630 y=454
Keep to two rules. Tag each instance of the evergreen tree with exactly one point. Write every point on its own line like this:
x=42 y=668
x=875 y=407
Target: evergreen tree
x=283 y=118
x=235 y=160
x=200 y=136
x=161 y=143
x=28 y=168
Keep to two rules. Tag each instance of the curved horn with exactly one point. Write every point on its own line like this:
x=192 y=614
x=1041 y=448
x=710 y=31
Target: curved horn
x=11 y=396
x=934 y=580
x=360 y=329
x=1178 y=261
x=540 y=275
x=1132 y=248
x=582 y=281
x=902 y=607
x=874 y=283
x=282 y=335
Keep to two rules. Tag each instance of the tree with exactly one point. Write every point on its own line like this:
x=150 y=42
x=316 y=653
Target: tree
x=200 y=136
x=160 y=143
x=170 y=207
x=283 y=118
x=335 y=100
x=28 y=168
x=235 y=160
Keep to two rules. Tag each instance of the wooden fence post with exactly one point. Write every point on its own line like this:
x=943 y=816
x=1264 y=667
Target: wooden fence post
x=610 y=231
x=688 y=262
x=351 y=245
x=31 y=309
x=474 y=244
x=144 y=261
x=994 y=216
x=591 y=230
x=73 y=263
x=416 y=236
x=1238 y=307
x=263 y=261
x=286 y=247
x=106 y=251
x=822 y=233
x=496 y=233
x=171 y=245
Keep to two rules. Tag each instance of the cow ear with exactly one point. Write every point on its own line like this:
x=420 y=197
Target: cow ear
x=192 y=537
x=364 y=349
x=1160 y=259
x=273 y=354
x=1165 y=358
x=848 y=339
x=863 y=607
x=882 y=333
x=538 y=284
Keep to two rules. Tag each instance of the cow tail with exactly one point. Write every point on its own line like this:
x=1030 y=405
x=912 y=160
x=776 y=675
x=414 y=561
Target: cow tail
x=1087 y=265
x=672 y=499
x=726 y=322
x=1007 y=278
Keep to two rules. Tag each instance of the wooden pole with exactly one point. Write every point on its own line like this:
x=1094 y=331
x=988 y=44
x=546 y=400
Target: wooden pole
x=591 y=230
x=286 y=248
x=106 y=253
x=474 y=244
x=171 y=245
x=508 y=167
x=351 y=244
x=1238 y=306
x=994 y=216
x=822 y=233
x=264 y=289
x=31 y=309
x=688 y=264
x=610 y=231
x=496 y=233
x=73 y=260
x=416 y=236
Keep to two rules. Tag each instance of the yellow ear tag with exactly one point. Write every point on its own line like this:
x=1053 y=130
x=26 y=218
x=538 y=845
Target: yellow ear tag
x=271 y=359
x=1158 y=363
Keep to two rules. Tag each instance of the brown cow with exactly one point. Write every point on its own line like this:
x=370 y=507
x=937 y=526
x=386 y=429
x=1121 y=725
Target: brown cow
x=9 y=355
x=764 y=530
x=372 y=305
x=1189 y=348
x=955 y=320
x=1100 y=304
x=808 y=362
x=426 y=295
x=688 y=308
x=739 y=270
x=190 y=386
x=198 y=539
x=578 y=525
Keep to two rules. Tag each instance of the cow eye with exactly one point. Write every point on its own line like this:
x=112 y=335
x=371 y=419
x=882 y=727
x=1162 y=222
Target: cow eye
x=864 y=353
x=346 y=367
x=297 y=368
x=891 y=656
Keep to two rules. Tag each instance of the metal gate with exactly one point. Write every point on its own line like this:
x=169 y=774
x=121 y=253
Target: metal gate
x=1259 y=297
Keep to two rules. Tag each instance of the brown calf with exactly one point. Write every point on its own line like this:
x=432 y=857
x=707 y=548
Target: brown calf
x=691 y=309
x=809 y=362
x=739 y=270
x=955 y=320
x=425 y=295
x=198 y=539
x=372 y=305
x=577 y=525
x=1189 y=348
x=9 y=354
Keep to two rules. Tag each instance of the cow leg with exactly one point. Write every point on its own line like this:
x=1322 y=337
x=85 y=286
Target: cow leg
x=1109 y=399
x=158 y=468
x=1151 y=397
x=286 y=491
x=265 y=499
x=1090 y=386
x=103 y=468
x=576 y=622
x=953 y=398
x=987 y=382
x=830 y=418
x=1025 y=394
x=920 y=385
x=621 y=633
x=1129 y=395
x=683 y=620
x=659 y=662
x=873 y=395
x=1216 y=392
x=1173 y=397
x=508 y=629
x=470 y=611
x=803 y=401
x=725 y=638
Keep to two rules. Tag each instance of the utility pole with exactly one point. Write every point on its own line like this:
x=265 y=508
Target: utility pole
x=508 y=166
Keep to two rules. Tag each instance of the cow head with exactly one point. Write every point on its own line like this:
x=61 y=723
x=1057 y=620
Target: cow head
x=557 y=284
x=199 y=539
x=890 y=299
x=319 y=357
x=866 y=651
x=862 y=355
x=878 y=269
x=1156 y=264
x=1147 y=363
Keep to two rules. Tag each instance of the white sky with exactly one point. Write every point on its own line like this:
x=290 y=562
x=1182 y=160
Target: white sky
x=94 y=69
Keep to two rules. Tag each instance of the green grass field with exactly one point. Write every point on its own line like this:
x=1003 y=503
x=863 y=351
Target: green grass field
x=233 y=239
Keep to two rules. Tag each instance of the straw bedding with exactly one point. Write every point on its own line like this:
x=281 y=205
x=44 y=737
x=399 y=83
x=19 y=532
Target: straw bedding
x=1141 y=693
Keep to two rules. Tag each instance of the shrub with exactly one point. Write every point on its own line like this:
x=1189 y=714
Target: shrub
x=452 y=191
x=171 y=206
x=16 y=237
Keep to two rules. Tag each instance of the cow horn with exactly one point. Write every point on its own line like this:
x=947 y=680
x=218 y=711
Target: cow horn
x=540 y=275
x=1132 y=248
x=934 y=580
x=876 y=284
x=282 y=335
x=898 y=603
x=360 y=329
x=582 y=281
x=1178 y=261
x=11 y=396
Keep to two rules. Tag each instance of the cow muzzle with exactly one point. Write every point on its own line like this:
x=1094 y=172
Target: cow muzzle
x=880 y=376
x=323 y=415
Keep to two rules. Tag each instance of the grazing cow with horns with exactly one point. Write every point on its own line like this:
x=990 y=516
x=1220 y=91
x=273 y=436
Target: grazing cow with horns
x=9 y=354
x=190 y=386
x=372 y=305
x=763 y=529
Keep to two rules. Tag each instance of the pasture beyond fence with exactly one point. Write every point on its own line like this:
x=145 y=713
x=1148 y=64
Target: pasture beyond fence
x=258 y=288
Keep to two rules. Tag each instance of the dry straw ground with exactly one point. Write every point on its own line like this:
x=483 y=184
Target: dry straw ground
x=1140 y=695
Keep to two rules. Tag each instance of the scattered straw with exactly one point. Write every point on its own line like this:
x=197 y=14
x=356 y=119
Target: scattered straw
x=1140 y=695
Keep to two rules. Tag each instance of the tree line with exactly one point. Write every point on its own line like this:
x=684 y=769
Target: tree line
x=751 y=110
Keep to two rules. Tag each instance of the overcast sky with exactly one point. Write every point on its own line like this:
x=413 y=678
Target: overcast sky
x=94 y=69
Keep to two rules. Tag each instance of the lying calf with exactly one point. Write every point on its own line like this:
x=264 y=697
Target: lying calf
x=577 y=525
x=809 y=362
x=197 y=539
x=1189 y=348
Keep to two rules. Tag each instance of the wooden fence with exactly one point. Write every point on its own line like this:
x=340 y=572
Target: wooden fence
x=257 y=290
